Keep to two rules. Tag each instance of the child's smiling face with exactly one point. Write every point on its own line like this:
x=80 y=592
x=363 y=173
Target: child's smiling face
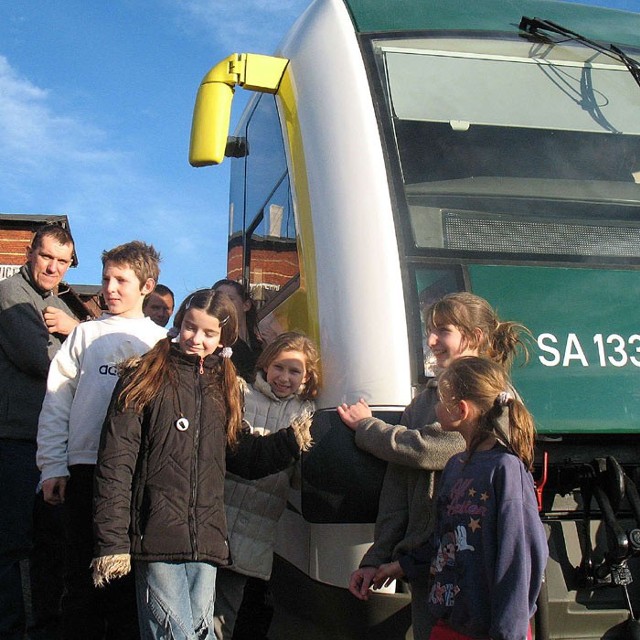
x=286 y=373
x=448 y=344
x=199 y=333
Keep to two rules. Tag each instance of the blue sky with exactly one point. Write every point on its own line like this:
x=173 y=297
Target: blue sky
x=95 y=113
x=96 y=101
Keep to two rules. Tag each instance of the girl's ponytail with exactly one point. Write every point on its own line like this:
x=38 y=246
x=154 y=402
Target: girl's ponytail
x=521 y=432
x=507 y=343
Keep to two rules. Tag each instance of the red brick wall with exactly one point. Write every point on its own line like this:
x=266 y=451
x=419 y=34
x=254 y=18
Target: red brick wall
x=13 y=244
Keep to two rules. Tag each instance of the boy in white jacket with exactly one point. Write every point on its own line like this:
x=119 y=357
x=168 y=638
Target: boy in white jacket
x=79 y=386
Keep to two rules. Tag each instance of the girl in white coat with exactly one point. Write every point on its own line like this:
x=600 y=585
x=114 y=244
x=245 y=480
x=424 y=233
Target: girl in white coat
x=286 y=382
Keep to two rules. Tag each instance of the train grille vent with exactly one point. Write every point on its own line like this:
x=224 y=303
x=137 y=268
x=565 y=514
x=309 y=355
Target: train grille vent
x=472 y=232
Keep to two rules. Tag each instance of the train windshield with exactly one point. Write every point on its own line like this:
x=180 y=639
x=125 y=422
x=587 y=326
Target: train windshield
x=496 y=138
x=520 y=168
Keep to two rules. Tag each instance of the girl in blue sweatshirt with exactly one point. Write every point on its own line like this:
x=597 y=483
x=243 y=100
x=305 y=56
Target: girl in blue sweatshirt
x=486 y=559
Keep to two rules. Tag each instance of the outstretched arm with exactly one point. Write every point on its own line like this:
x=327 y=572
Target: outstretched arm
x=417 y=442
x=422 y=447
x=255 y=456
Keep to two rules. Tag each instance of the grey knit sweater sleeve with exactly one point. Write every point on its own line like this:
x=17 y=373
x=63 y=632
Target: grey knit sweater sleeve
x=417 y=442
x=26 y=342
x=392 y=520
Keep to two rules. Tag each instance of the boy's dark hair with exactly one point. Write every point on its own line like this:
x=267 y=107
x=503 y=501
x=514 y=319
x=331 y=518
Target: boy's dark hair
x=55 y=231
x=142 y=258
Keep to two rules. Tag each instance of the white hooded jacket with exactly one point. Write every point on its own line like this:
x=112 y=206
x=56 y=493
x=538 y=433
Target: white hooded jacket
x=253 y=507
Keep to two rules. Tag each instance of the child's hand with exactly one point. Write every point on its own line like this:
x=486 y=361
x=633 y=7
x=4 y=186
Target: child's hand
x=386 y=574
x=360 y=582
x=351 y=415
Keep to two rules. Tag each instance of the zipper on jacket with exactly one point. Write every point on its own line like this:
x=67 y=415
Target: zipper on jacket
x=194 y=463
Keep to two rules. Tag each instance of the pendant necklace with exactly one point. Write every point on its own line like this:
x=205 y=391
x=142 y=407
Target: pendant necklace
x=182 y=423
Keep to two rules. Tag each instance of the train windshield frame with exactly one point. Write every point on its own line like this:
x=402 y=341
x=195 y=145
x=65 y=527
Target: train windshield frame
x=558 y=155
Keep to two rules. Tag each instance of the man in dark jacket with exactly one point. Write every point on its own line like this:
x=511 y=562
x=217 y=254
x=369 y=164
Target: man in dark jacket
x=33 y=324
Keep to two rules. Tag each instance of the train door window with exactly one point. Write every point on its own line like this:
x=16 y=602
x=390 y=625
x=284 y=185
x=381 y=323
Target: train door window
x=271 y=259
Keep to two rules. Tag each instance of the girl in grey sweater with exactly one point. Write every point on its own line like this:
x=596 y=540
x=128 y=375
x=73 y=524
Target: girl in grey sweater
x=460 y=324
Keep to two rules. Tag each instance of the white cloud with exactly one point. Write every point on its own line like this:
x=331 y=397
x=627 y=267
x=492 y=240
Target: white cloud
x=255 y=25
x=55 y=163
x=32 y=135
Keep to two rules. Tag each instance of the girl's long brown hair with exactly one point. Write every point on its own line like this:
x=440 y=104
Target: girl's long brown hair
x=481 y=381
x=154 y=369
x=500 y=341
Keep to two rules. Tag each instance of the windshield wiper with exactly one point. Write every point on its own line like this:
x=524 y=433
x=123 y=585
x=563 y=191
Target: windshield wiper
x=534 y=25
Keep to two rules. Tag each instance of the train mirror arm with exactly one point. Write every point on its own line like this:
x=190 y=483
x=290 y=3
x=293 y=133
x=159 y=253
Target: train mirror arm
x=212 y=113
x=535 y=25
x=212 y=110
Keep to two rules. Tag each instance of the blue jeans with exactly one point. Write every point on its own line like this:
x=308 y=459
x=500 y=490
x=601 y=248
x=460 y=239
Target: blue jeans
x=175 y=600
x=18 y=480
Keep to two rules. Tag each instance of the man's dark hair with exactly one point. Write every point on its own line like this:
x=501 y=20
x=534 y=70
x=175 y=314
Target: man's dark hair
x=163 y=290
x=56 y=231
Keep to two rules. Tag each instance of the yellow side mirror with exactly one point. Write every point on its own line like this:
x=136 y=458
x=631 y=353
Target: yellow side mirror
x=212 y=111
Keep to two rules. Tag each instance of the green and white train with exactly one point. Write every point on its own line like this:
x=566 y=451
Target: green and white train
x=396 y=151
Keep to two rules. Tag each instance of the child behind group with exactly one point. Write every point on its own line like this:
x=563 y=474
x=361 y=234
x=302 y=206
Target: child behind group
x=81 y=379
x=460 y=324
x=174 y=422
x=286 y=382
x=249 y=344
x=489 y=549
